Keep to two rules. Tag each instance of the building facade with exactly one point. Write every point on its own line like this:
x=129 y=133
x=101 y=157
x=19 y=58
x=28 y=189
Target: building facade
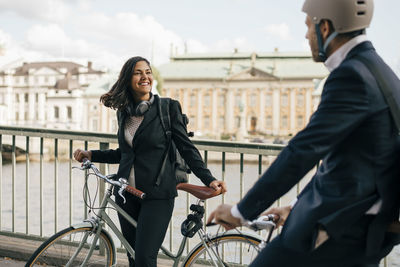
x=244 y=94
x=46 y=94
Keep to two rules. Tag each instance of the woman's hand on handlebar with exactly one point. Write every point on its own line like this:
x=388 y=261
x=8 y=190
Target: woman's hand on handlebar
x=218 y=185
x=80 y=154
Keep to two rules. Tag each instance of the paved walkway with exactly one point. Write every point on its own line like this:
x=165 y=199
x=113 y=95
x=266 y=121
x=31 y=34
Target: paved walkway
x=11 y=263
x=12 y=248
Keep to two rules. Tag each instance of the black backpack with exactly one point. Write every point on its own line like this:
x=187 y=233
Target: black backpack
x=182 y=170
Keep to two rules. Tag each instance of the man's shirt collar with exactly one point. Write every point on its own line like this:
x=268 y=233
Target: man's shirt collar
x=340 y=54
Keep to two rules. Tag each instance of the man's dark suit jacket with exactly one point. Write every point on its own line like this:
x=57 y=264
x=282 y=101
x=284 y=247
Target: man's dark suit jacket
x=354 y=134
x=147 y=154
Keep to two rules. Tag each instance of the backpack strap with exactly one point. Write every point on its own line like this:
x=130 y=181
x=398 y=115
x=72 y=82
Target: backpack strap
x=386 y=90
x=163 y=103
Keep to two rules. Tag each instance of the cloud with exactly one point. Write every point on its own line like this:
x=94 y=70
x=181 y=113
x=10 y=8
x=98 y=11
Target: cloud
x=280 y=30
x=44 y=10
x=240 y=43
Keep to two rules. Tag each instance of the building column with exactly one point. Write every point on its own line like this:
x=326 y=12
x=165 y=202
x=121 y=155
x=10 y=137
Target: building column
x=199 y=114
x=308 y=102
x=229 y=108
x=292 y=110
x=261 y=116
x=276 y=103
x=214 y=110
x=10 y=105
x=21 y=108
x=41 y=108
x=186 y=100
x=31 y=108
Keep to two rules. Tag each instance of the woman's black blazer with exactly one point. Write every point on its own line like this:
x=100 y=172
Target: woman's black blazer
x=148 y=151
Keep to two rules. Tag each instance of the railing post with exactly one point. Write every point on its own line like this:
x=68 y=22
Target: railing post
x=71 y=206
x=27 y=186
x=103 y=169
x=55 y=184
x=41 y=185
x=1 y=175
x=13 y=162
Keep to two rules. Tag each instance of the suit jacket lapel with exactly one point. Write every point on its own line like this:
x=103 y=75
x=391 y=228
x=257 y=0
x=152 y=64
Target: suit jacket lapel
x=121 y=116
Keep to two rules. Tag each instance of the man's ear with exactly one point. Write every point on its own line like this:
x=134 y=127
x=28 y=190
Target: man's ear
x=326 y=28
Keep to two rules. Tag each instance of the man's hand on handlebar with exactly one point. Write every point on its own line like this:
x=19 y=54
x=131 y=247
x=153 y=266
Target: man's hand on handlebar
x=281 y=212
x=80 y=154
x=222 y=215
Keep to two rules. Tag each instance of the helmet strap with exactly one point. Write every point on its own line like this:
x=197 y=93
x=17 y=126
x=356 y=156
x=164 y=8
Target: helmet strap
x=322 y=46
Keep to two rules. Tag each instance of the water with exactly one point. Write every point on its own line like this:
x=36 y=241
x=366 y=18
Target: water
x=232 y=178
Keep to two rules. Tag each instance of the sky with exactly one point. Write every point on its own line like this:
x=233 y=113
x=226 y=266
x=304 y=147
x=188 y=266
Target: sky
x=109 y=32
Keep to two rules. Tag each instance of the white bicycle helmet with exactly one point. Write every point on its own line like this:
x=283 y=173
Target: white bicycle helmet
x=345 y=15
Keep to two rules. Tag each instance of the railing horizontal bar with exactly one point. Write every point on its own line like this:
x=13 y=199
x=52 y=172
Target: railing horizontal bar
x=208 y=145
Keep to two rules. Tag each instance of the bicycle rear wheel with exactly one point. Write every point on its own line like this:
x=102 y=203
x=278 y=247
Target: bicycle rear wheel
x=233 y=249
x=70 y=242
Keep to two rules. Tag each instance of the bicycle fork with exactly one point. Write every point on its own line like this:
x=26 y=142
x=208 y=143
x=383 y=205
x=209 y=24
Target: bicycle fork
x=210 y=250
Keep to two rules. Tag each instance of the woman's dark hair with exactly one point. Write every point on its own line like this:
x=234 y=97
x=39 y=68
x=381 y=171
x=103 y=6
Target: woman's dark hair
x=120 y=95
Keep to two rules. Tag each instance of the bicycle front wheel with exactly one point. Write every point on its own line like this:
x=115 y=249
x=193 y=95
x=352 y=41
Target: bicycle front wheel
x=71 y=246
x=233 y=249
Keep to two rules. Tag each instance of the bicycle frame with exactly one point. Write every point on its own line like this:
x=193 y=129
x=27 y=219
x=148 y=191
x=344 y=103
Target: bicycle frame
x=102 y=216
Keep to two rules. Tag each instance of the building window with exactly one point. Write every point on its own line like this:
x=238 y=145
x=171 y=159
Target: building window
x=46 y=79
x=26 y=97
x=192 y=122
x=94 y=125
x=300 y=100
x=26 y=79
x=69 y=112
x=192 y=100
x=176 y=95
x=268 y=122
x=37 y=97
x=300 y=122
x=253 y=100
x=268 y=100
x=206 y=124
x=238 y=100
x=237 y=121
x=222 y=100
x=284 y=121
x=114 y=125
x=221 y=122
x=206 y=100
x=284 y=100
x=56 y=112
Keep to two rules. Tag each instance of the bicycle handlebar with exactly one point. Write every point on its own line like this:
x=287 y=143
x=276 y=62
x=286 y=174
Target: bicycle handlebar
x=122 y=183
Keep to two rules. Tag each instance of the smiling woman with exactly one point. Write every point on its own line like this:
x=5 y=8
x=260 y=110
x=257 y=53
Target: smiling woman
x=144 y=159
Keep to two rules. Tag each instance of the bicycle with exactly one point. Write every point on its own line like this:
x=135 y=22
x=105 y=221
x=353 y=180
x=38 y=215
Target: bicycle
x=89 y=244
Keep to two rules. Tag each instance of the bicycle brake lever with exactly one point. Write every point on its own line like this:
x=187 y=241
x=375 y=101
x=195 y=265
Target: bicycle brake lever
x=120 y=191
x=79 y=168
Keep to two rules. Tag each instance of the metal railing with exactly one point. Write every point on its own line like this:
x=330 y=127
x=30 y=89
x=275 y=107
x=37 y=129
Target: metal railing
x=42 y=146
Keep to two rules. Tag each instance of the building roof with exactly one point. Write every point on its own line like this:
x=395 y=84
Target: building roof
x=66 y=66
x=226 y=65
x=102 y=85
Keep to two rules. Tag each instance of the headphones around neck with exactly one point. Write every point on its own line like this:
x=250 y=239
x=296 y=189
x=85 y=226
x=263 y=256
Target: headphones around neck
x=141 y=108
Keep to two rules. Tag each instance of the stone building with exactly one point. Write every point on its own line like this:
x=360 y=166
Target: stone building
x=46 y=94
x=271 y=93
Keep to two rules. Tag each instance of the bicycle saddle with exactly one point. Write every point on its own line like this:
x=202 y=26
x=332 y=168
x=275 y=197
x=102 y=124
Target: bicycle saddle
x=201 y=192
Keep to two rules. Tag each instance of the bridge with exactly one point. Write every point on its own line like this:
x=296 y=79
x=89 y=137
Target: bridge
x=42 y=195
